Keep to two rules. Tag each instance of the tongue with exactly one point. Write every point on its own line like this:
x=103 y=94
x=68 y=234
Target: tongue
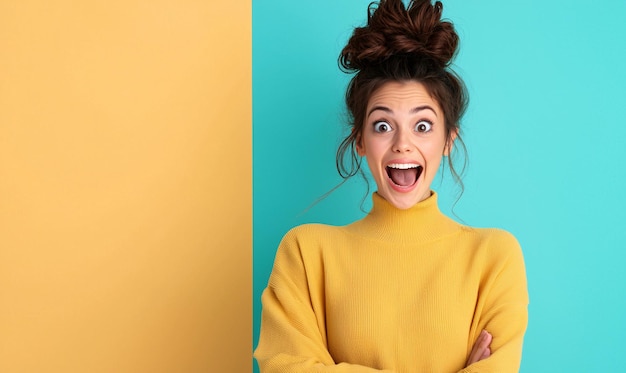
x=403 y=177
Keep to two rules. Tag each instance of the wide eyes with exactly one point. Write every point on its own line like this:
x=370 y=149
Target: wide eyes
x=422 y=126
x=382 y=126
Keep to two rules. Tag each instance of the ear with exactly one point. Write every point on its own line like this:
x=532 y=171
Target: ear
x=450 y=142
x=360 y=149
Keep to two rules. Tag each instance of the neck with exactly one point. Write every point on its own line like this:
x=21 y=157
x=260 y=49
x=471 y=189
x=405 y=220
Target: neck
x=420 y=223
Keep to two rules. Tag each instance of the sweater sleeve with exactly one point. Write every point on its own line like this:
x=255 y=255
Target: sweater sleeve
x=292 y=338
x=503 y=307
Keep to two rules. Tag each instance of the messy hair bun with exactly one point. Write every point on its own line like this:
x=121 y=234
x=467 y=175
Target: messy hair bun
x=393 y=30
x=401 y=43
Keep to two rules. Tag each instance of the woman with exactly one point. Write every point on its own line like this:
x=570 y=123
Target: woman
x=405 y=289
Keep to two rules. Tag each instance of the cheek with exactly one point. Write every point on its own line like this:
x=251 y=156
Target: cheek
x=371 y=147
x=433 y=153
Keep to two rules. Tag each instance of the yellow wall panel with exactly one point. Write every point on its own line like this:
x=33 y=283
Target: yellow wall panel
x=125 y=186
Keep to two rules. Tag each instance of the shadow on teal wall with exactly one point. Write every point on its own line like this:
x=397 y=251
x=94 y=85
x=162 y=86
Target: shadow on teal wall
x=545 y=133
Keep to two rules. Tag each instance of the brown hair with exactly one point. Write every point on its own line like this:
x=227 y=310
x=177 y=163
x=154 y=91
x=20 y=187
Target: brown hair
x=400 y=44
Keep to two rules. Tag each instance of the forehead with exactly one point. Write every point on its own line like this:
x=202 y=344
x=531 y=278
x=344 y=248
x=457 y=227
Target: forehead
x=403 y=95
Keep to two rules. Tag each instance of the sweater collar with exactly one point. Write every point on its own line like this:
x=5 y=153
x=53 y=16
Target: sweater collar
x=420 y=223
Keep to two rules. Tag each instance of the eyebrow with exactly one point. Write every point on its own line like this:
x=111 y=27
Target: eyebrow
x=412 y=111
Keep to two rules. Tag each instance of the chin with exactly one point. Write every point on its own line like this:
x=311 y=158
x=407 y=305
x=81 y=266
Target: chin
x=403 y=205
x=404 y=202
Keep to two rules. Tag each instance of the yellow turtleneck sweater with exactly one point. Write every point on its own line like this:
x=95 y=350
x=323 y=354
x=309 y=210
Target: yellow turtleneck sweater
x=405 y=291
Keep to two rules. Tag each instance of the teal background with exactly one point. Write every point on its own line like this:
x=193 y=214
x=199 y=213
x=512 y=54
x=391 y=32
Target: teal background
x=545 y=132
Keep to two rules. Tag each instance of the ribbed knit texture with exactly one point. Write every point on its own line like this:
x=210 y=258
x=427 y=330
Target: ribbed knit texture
x=404 y=291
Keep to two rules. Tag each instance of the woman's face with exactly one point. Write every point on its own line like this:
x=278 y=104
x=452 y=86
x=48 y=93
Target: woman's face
x=403 y=140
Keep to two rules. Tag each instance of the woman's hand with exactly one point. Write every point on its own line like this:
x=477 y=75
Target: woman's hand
x=481 y=349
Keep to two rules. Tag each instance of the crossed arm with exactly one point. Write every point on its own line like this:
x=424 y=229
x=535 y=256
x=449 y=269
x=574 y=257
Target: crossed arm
x=293 y=331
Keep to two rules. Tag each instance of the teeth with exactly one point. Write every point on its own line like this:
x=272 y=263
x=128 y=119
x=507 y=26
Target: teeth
x=403 y=166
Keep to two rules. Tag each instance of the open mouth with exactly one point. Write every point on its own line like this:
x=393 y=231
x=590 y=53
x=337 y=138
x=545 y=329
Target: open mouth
x=404 y=174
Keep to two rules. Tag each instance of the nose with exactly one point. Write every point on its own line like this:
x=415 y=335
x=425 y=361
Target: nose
x=402 y=141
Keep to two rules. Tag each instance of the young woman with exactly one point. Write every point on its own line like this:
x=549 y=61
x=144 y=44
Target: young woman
x=405 y=289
